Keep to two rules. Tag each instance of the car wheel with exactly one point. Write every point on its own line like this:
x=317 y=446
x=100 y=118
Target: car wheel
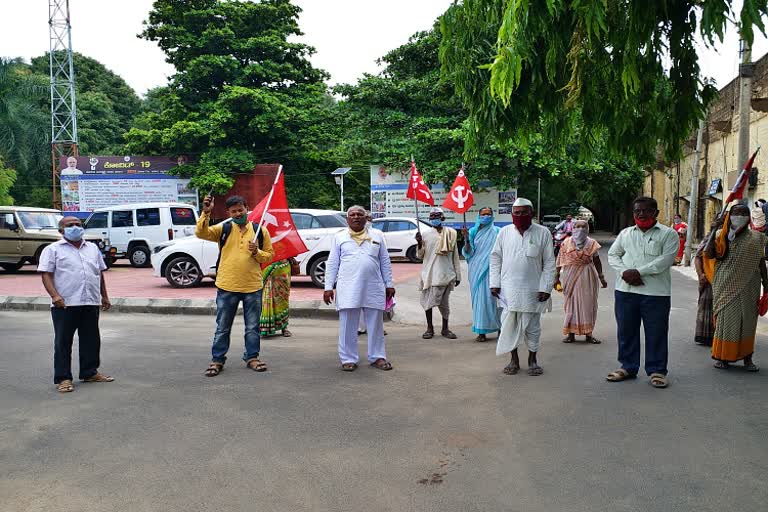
x=183 y=272
x=139 y=256
x=12 y=267
x=317 y=271
x=411 y=255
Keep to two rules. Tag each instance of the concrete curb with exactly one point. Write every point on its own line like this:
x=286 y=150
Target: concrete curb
x=299 y=309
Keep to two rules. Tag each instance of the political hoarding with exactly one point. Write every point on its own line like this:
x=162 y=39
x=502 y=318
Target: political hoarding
x=91 y=182
x=388 y=198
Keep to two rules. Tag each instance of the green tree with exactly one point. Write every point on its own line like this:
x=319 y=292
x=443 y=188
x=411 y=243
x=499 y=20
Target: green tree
x=243 y=93
x=7 y=179
x=624 y=72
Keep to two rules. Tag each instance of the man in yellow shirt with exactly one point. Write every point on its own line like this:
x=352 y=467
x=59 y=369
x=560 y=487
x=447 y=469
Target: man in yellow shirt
x=238 y=278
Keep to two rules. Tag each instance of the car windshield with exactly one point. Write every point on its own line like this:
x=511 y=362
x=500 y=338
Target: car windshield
x=40 y=220
x=331 y=221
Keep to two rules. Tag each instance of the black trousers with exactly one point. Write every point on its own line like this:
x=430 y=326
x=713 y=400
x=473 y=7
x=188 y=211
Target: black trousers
x=84 y=320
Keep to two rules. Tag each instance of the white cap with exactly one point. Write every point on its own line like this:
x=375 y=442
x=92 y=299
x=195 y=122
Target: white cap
x=436 y=210
x=521 y=201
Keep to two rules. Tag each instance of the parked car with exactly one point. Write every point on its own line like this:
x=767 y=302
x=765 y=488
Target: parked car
x=185 y=262
x=25 y=231
x=135 y=229
x=400 y=235
x=550 y=221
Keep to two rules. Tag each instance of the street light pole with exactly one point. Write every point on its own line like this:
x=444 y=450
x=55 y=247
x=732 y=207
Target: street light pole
x=342 y=192
x=693 y=203
x=538 y=201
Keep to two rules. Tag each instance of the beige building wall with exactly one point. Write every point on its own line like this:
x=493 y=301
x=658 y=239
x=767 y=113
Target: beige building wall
x=670 y=182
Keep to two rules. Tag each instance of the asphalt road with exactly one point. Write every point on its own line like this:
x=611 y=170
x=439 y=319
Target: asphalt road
x=444 y=431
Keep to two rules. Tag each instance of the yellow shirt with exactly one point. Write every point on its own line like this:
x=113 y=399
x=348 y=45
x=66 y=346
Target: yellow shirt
x=239 y=270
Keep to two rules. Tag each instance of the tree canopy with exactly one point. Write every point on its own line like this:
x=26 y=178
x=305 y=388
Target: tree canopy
x=624 y=73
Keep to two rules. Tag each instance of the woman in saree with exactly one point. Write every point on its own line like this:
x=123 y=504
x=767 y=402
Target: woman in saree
x=739 y=269
x=580 y=274
x=275 y=298
x=705 y=326
x=478 y=243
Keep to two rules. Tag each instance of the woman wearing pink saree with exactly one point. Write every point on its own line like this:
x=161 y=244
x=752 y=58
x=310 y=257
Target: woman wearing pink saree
x=580 y=273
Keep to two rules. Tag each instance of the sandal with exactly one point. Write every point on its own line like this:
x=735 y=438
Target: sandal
x=349 y=367
x=569 y=339
x=256 y=365
x=721 y=365
x=593 y=340
x=534 y=371
x=65 y=386
x=481 y=338
x=620 y=375
x=98 y=377
x=751 y=367
x=287 y=333
x=382 y=364
x=428 y=334
x=448 y=334
x=658 y=380
x=214 y=369
x=511 y=369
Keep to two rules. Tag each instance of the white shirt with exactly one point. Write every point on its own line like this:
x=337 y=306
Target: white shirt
x=437 y=269
x=361 y=273
x=652 y=253
x=76 y=272
x=523 y=266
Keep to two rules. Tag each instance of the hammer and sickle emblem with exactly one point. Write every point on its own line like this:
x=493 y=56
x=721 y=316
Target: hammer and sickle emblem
x=457 y=196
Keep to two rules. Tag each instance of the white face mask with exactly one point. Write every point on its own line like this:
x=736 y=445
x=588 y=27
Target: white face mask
x=739 y=222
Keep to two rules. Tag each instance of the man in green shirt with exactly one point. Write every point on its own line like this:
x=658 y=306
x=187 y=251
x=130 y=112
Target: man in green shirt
x=642 y=256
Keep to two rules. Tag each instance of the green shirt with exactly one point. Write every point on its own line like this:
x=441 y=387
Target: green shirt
x=651 y=253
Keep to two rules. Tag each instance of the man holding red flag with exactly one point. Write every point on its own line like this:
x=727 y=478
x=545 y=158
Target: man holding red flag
x=287 y=243
x=238 y=279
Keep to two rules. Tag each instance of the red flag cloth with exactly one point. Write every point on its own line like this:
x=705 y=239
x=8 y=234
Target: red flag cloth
x=417 y=189
x=286 y=240
x=737 y=192
x=460 y=198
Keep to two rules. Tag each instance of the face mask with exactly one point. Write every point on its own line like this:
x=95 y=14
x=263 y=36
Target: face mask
x=240 y=220
x=485 y=219
x=579 y=235
x=647 y=223
x=436 y=223
x=73 y=233
x=739 y=222
x=522 y=222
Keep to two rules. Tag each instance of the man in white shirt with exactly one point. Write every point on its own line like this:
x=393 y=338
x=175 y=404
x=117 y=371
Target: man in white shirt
x=440 y=270
x=522 y=275
x=642 y=256
x=72 y=271
x=360 y=270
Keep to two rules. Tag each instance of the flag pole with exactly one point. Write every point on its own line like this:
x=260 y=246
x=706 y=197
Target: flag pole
x=269 y=200
x=465 y=213
x=415 y=202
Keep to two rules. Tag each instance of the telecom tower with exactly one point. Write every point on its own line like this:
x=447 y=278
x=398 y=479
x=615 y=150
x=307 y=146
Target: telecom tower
x=63 y=114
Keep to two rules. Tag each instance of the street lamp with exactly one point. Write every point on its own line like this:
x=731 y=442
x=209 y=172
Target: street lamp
x=338 y=175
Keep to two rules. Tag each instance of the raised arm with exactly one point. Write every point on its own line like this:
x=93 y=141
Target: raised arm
x=205 y=231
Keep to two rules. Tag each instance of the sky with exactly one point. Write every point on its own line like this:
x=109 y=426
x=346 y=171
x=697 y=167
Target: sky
x=349 y=36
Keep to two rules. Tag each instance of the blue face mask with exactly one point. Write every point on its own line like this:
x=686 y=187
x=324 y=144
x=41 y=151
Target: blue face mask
x=436 y=223
x=485 y=219
x=73 y=233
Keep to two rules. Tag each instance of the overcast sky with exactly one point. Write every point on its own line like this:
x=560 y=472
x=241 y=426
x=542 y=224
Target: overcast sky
x=349 y=36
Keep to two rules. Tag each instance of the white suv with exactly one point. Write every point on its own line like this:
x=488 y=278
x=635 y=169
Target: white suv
x=186 y=261
x=135 y=229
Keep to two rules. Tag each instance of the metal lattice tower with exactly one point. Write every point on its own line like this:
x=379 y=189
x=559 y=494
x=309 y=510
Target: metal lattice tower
x=62 y=71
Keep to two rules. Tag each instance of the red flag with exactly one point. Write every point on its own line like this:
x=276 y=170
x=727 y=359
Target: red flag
x=286 y=240
x=417 y=189
x=460 y=198
x=737 y=192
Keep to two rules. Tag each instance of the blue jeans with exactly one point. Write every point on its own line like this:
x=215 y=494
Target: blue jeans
x=226 y=309
x=653 y=311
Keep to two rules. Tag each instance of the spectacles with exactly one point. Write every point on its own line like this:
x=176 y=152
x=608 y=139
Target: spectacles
x=646 y=211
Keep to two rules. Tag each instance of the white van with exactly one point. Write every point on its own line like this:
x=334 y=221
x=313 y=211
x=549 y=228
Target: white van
x=135 y=229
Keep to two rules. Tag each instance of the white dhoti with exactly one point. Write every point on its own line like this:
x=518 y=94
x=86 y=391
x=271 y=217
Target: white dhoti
x=516 y=325
x=348 y=326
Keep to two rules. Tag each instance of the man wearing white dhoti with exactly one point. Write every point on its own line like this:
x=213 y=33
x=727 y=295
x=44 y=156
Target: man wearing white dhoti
x=440 y=270
x=359 y=268
x=522 y=275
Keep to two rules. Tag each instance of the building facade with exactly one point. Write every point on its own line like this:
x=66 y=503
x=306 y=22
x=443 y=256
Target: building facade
x=670 y=182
